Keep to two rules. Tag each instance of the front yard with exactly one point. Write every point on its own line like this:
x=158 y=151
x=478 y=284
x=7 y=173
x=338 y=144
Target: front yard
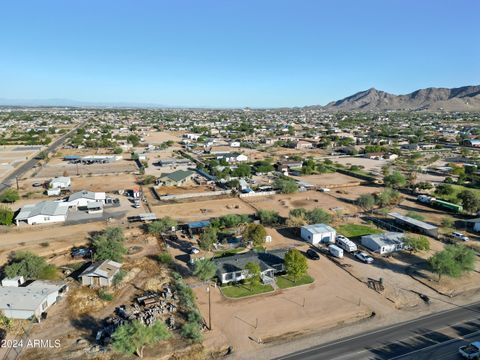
x=286 y=281
x=241 y=290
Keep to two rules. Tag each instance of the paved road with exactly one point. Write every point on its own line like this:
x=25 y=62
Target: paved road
x=435 y=336
x=30 y=164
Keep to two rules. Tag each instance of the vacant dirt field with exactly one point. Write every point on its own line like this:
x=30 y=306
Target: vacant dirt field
x=15 y=155
x=156 y=138
x=283 y=203
x=192 y=211
x=329 y=180
x=368 y=164
x=60 y=168
x=335 y=298
x=173 y=190
x=353 y=192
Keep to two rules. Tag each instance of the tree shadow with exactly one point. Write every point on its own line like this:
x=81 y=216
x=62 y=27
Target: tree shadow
x=87 y=323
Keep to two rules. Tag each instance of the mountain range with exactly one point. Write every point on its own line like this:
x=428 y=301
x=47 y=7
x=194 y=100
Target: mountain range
x=466 y=98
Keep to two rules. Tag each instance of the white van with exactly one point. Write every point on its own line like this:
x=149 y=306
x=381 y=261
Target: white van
x=335 y=251
x=345 y=243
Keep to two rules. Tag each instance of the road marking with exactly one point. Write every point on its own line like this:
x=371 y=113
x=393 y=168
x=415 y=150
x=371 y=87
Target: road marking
x=312 y=349
x=437 y=344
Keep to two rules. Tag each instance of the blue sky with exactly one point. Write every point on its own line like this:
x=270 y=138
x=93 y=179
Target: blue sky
x=229 y=53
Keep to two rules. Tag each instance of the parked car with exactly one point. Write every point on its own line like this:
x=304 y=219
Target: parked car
x=364 y=257
x=37 y=184
x=459 y=236
x=470 y=351
x=80 y=252
x=312 y=254
x=194 y=250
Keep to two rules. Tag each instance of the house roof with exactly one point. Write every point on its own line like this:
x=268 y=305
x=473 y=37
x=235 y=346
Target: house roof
x=105 y=269
x=178 y=175
x=318 y=228
x=84 y=194
x=237 y=262
x=47 y=208
x=385 y=239
x=412 y=221
x=198 y=224
x=26 y=298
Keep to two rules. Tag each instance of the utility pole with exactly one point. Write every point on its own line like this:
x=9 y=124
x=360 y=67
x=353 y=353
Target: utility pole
x=209 y=308
x=16 y=178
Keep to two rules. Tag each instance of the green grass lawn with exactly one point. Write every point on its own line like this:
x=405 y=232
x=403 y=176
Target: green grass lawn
x=221 y=253
x=240 y=290
x=286 y=281
x=453 y=197
x=354 y=230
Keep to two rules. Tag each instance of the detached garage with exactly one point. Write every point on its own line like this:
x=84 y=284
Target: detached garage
x=318 y=233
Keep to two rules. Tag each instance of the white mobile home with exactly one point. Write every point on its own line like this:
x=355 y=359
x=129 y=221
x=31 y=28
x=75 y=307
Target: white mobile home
x=385 y=243
x=83 y=198
x=318 y=233
x=42 y=213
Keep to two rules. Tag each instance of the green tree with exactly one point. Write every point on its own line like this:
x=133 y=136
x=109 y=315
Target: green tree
x=295 y=264
x=9 y=196
x=133 y=139
x=118 y=150
x=453 y=261
x=242 y=170
x=470 y=201
x=318 y=216
x=388 y=197
x=268 y=217
x=204 y=269
x=366 y=202
x=286 y=186
x=395 y=180
x=30 y=266
x=132 y=337
x=255 y=233
x=444 y=190
x=161 y=226
x=108 y=245
x=208 y=237
x=417 y=243
x=6 y=215
x=253 y=278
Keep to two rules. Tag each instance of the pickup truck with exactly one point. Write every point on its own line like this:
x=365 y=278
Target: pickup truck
x=470 y=351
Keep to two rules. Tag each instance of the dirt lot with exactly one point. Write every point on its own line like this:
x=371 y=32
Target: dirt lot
x=173 y=190
x=334 y=298
x=329 y=180
x=15 y=155
x=58 y=167
x=156 y=138
x=368 y=164
x=283 y=203
x=191 y=211
x=76 y=319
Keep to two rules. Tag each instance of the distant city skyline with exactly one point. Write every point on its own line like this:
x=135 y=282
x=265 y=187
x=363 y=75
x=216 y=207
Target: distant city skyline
x=233 y=54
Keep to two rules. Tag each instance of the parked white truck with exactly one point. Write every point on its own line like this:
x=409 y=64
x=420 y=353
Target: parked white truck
x=425 y=199
x=470 y=351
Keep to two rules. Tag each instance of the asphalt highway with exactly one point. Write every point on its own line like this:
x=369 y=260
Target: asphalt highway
x=30 y=164
x=433 y=337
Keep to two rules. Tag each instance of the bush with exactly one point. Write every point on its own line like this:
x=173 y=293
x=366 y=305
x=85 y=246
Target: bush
x=192 y=330
x=268 y=217
x=102 y=294
x=165 y=258
x=119 y=276
x=109 y=245
x=9 y=196
x=6 y=215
